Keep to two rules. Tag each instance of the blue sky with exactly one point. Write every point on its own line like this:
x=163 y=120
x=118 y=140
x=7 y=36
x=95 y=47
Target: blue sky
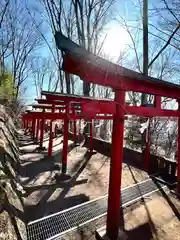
x=117 y=40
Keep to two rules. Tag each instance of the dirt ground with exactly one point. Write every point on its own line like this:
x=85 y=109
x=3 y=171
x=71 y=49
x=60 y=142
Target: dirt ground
x=90 y=178
x=156 y=217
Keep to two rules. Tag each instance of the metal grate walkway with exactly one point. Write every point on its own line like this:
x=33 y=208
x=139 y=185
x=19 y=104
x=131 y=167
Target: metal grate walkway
x=54 y=225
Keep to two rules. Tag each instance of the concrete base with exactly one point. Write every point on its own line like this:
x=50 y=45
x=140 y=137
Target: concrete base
x=101 y=234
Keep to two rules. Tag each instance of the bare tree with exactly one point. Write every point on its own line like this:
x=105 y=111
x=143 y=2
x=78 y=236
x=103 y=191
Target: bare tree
x=81 y=21
x=18 y=42
x=163 y=52
x=4 y=6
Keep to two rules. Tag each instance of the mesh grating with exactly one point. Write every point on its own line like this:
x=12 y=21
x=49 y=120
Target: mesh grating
x=73 y=217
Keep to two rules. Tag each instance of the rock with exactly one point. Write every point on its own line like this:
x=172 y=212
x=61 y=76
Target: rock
x=12 y=224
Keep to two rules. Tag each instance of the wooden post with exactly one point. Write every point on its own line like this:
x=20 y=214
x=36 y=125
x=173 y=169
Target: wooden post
x=91 y=136
x=33 y=128
x=178 y=154
x=147 y=150
x=51 y=135
x=65 y=141
x=157 y=102
x=42 y=132
x=75 y=130
x=27 y=124
x=79 y=132
x=114 y=197
x=37 y=129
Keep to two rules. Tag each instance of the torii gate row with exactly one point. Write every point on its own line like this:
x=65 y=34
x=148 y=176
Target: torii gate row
x=93 y=69
x=74 y=102
x=41 y=107
x=38 y=123
x=105 y=106
x=60 y=106
x=66 y=116
x=34 y=123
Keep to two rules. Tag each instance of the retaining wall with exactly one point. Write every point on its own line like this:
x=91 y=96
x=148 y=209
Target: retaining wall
x=12 y=224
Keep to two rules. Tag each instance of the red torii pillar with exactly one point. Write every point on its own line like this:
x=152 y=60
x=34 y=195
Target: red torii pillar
x=178 y=153
x=42 y=132
x=91 y=136
x=75 y=130
x=37 y=129
x=147 y=150
x=51 y=134
x=79 y=130
x=114 y=196
x=33 y=127
x=65 y=141
x=26 y=124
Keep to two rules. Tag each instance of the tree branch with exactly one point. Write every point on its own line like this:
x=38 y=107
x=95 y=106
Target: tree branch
x=3 y=13
x=165 y=46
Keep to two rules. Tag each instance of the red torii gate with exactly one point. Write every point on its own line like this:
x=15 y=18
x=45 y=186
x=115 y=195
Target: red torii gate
x=78 y=103
x=36 y=122
x=75 y=108
x=36 y=117
x=93 y=69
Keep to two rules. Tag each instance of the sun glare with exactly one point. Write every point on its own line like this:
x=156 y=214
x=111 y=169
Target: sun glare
x=115 y=42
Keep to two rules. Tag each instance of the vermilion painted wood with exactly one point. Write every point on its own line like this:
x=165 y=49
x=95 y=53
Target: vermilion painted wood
x=91 y=136
x=55 y=116
x=65 y=142
x=151 y=112
x=98 y=71
x=74 y=99
x=47 y=107
x=178 y=145
x=114 y=196
x=57 y=103
x=106 y=108
x=157 y=102
x=94 y=74
x=33 y=127
x=75 y=130
x=45 y=101
x=42 y=123
x=79 y=129
x=147 y=149
x=37 y=129
x=51 y=135
x=98 y=108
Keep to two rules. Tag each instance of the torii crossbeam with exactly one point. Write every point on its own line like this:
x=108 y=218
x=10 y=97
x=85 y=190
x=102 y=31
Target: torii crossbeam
x=93 y=69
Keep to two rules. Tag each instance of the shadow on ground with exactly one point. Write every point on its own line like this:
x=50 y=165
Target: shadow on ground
x=37 y=163
x=147 y=230
x=61 y=201
x=31 y=147
x=168 y=200
x=143 y=231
